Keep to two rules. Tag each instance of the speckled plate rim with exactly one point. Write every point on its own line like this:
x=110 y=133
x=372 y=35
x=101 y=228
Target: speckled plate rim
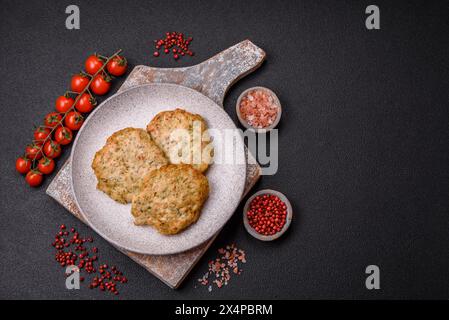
x=238 y=189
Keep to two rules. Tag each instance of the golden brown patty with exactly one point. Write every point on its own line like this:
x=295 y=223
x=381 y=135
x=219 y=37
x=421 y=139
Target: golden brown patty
x=128 y=155
x=196 y=144
x=171 y=198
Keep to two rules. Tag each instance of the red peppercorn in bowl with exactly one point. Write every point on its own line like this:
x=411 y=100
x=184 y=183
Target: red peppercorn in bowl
x=258 y=108
x=267 y=215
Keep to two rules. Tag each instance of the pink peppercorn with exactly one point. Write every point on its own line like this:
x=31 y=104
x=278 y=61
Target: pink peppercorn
x=174 y=42
x=267 y=214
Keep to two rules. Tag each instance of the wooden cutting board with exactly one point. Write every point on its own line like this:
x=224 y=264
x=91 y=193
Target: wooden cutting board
x=212 y=78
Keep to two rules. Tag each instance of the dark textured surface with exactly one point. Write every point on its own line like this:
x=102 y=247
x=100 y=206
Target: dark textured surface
x=363 y=141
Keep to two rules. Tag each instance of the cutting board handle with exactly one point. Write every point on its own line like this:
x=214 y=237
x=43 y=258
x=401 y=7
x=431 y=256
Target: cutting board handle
x=212 y=77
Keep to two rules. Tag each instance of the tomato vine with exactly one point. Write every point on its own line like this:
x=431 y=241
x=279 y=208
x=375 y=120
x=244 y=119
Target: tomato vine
x=99 y=83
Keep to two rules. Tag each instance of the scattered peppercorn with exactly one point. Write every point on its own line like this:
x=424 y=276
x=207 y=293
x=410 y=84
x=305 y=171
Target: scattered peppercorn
x=79 y=256
x=175 y=41
x=267 y=214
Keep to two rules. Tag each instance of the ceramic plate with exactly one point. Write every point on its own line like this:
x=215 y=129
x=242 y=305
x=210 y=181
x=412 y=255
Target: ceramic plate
x=135 y=108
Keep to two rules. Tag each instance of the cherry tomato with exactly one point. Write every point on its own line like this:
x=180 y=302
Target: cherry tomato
x=85 y=103
x=101 y=84
x=79 y=82
x=63 y=135
x=33 y=151
x=64 y=103
x=52 y=119
x=117 y=66
x=52 y=149
x=34 y=178
x=40 y=134
x=46 y=165
x=74 y=120
x=23 y=165
x=93 y=64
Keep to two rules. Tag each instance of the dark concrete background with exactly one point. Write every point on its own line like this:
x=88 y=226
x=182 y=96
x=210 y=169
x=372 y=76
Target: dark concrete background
x=363 y=141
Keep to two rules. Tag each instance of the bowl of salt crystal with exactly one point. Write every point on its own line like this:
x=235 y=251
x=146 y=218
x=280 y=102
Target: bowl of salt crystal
x=258 y=109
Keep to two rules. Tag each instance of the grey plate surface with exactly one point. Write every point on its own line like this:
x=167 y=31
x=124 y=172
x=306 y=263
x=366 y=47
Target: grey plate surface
x=135 y=108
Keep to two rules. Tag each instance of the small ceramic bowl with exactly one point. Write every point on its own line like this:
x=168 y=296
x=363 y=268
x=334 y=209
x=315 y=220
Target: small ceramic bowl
x=256 y=234
x=245 y=123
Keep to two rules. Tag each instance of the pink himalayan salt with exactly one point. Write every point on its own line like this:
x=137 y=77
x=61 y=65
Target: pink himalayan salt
x=259 y=108
x=219 y=270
